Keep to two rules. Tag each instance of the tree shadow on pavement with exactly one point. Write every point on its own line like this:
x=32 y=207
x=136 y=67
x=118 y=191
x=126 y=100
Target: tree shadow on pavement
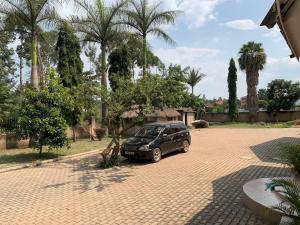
x=86 y=176
x=225 y=206
x=270 y=151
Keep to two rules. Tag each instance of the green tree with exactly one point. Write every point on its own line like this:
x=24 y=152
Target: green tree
x=99 y=25
x=263 y=100
x=252 y=59
x=7 y=71
x=29 y=17
x=178 y=73
x=70 y=70
x=197 y=103
x=232 y=101
x=120 y=65
x=282 y=95
x=147 y=20
x=193 y=77
x=40 y=116
x=70 y=65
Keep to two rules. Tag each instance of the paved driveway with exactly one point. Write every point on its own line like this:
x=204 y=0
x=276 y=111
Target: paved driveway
x=203 y=186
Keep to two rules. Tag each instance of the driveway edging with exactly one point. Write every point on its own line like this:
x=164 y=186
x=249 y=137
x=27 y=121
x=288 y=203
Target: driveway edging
x=38 y=163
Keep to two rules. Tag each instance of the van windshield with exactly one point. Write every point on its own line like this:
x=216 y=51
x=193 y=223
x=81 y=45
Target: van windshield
x=149 y=131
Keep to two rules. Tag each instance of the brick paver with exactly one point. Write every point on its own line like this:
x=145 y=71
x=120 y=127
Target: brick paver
x=203 y=186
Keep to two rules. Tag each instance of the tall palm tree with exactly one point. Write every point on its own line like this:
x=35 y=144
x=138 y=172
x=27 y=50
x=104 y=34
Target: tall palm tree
x=147 y=19
x=252 y=59
x=193 y=77
x=99 y=25
x=29 y=17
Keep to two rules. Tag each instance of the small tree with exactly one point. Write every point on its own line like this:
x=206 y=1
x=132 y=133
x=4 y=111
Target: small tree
x=41 y=119
x=119 y=101
x=232 y=102
x=282 y=95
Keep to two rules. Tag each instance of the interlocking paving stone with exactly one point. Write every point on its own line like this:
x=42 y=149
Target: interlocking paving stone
x=203 y=186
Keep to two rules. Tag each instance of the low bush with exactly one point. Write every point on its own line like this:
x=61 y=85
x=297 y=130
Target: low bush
x=201 y=124
x=290 y=155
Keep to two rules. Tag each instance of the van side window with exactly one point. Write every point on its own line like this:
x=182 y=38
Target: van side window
x=169 y=131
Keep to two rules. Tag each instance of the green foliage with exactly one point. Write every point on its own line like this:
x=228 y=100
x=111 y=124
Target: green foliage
x=290 y=155
x=7 y=70
x=252 y=57
x=120 y=65
x=70 y=70
x=193 y=77
x=90 y=93
x=195 y=102
x=30 y=17
x=158 y=92
x=290 y=206
x=282 y=95
x=70 y=65
x=232 y=101
x=40 y=116
x=177 y=73
x=147 y=19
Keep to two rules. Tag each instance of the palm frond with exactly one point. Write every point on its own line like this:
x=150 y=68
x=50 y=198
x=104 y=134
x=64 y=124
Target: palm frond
x=161 y=34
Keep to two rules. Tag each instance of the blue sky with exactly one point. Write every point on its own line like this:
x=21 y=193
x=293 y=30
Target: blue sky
x=210 y=32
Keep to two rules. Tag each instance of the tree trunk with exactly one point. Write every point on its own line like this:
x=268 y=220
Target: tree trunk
x=103 y=85
x=21 y=76
x=40 y=151
x=144 y=56
x=252 y=99
x=74 y=134
x=34 y=63
x=40 y=66
x=192 y=90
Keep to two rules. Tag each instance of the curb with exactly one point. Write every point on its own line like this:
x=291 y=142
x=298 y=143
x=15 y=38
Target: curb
x=37 y=163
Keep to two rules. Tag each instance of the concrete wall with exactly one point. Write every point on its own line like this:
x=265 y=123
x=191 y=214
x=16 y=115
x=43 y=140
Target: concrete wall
x=282 y=116
x=190 y=118
x=10 y=141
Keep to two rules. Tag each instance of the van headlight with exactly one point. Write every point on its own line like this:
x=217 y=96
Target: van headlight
x=144 y=148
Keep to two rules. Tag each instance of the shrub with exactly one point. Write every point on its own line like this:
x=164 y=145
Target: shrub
x=290 y=205
x=291 y=156
x=100 y=133
x=201 y=124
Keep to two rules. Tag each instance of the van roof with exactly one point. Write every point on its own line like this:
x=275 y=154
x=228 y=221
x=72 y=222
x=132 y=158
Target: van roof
x=167 y=123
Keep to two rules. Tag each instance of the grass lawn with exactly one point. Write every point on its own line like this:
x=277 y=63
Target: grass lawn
x=253 y=125
x=14 y=157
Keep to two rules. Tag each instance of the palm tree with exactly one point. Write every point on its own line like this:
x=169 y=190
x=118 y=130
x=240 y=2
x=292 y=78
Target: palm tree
x=252 y=59
x=147 y=19
x=193 y=77
x=99 y=25
x=29 y=17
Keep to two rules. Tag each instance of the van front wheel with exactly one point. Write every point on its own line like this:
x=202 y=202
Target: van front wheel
x=156 y=155
x=186 y=146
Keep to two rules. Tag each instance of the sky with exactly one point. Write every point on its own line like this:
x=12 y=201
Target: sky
x=210 y=32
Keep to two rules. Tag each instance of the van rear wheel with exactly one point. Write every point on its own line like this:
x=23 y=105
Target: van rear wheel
x=156 y=155
x=186 y=146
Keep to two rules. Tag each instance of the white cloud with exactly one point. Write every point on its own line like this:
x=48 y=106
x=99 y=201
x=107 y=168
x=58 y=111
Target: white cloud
x=242 y=24
x=198 y=12
x=186 y=56
x=274 y=34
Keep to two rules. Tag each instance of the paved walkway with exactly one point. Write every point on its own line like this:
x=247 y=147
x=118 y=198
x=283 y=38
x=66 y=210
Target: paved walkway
x=203 y=186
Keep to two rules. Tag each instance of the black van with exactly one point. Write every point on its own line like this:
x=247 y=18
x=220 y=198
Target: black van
x=157 y=139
